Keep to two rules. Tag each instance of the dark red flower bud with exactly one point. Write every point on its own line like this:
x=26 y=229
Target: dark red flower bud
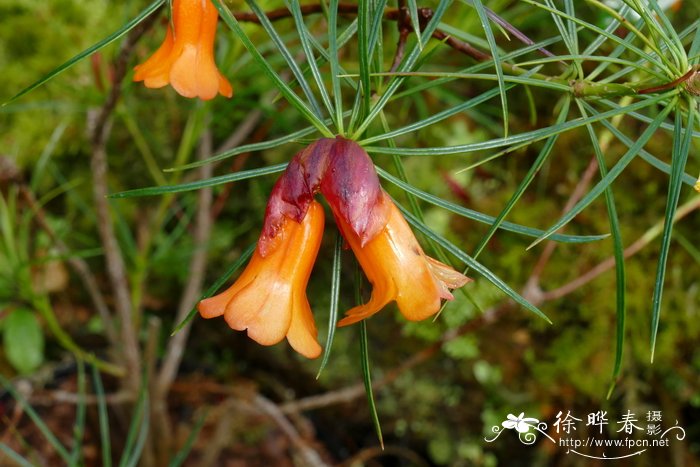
x=351 y=186
x=295 y=189
x=343 y=172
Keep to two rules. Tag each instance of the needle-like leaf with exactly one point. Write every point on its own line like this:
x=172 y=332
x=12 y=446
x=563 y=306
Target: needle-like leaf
x=679 y=156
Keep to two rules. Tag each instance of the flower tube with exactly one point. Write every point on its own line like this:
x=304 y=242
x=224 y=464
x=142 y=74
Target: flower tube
x=269 y=298
x=185 y=60
x=399 y=270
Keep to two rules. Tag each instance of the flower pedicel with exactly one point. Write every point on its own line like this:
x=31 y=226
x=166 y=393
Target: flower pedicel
x=269 y=299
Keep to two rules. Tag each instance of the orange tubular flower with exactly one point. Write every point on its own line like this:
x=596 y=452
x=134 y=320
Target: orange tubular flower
x=269 y=298
x=186 y=58
x=398 y=269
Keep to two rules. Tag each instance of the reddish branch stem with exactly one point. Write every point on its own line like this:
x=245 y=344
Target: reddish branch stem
x=393 y=14
x=283 y=13
x=671 y=84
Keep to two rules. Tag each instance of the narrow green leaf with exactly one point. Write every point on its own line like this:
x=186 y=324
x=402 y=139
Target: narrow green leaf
x=481 y=217
x=694 y=50
x=618 y=253
x=645 y=155
x=535 y=82
x=335 y=298
x=182 y=454
x=637 y=66
x=486 y=25
x=245 y=256
x=196 y=185
x=36 y=418
x=79 y=426
x=286 y=54
x=90 y=50
x=367 y=378
x=440 y=116
x=526 y=137
x=103 y=418
x=415 y=21
x=617 y=169
x=335 y=64
x=472 y=263
x=440 y=82
x=46 y=153
x=649 y=39
x=310 y=115
x=573 y=32
x=595 y=29
x=304 y=38
x=14 y=456
x=406 y=65
x=658 y=22
x=363 y=24
x=525 y=183
x=138 y=430
x=618 y=50
x=565 y=30
x=375 y=32
x=640 y=117
x=273 y=143
x=679 y=157
x=356 y=111
x=8 y=214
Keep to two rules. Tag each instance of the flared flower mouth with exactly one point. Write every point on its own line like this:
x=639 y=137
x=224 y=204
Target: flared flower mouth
x=400 y=271
x=185 y=60
x=269 y=298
